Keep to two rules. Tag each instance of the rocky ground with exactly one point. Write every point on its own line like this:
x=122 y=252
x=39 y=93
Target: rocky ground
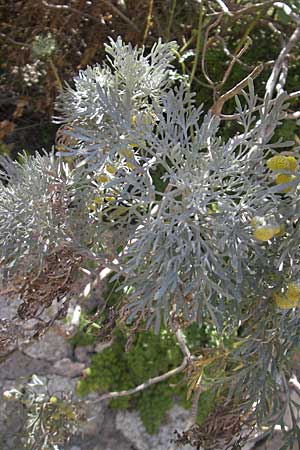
x=55 y=359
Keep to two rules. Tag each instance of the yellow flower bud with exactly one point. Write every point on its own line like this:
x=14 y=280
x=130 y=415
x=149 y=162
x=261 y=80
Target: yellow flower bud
x=133 y=120
x=283 y=179
x=129 y=165
x=292 y=162
x=110 y=199
x=127 y=152
x=102 y=178
x=265 y=233
x=278 y=162
x=283 y=302
x=293 y=292
x=53 y=399
x=111 y=169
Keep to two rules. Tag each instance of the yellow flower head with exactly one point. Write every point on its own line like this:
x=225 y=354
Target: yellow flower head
x=127 y=152
x=111 y=169
x=278 y=162
x=102 y=178
x=283 y=179
x=265 y=229
x=283 y=302
x=265 y=233
x=293 y=292
x=292 y=163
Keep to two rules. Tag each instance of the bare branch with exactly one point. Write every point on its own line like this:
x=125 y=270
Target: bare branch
x=89 y=16
x=235 y=58
x=287 y=11
x=293 y=95
x=20 y=44
x=182 y=344
x=294 y=116
x=146 y=384
x=71 y=9
x=121 y=14
x=218 y=106
x=253 y=8
x=291 y=115
x=224 y=7
x=247 y=9
x=195 y=406
x=271 y=83
x=205 y=45
x=294 y=383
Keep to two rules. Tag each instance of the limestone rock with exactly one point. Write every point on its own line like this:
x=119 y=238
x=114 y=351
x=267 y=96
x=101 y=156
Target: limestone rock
x=131 y=426
x=50 y=347
x=67 y=368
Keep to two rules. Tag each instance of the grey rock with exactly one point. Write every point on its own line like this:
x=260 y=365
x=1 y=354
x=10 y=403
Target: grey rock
x=50 y=347
x=20 y=365
x=57 y=383
x=95 y=413
x=82 y=353
x=67 y=368
x=131 y=426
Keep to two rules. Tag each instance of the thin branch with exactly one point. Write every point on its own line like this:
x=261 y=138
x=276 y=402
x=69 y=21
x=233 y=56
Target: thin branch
x=218 y=106
x=121 y=14
x=148 y=22
x=247 y=9
x=205 y=45
x=171 y=19
x=231 y=55
x=198 y=43
x=182 y=344
x=144 y=385
x=288 y=11
x=224 y=7
x=71 y=9
x=89 y=16
x=294 y=383
x=21 y=44
x=195 y=406
x=253 y=8
x=293 y=95
x=233 y=61
x=294 y=115
x=271 y=83
x=186 y=361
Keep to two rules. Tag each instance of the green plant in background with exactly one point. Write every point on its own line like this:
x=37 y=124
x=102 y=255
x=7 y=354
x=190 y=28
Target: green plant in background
x=150 y=355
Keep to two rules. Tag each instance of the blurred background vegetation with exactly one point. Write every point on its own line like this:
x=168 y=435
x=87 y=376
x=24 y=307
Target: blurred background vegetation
x=44 y=44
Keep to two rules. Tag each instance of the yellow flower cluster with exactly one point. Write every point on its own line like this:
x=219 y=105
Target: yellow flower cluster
x=264 y=231
x=281 y=162
x=290 y=299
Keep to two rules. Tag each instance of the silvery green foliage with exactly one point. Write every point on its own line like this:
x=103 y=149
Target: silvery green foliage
x=42 y=205
x=195 y=238
x=172 y=203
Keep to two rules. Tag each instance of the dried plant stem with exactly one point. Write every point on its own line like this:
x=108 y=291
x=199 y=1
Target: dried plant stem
x=218 y=106
x=54 y=70
x=174 y=2
x=198 y=44
x=148 y=22
x=271 y=83
x=195 y=406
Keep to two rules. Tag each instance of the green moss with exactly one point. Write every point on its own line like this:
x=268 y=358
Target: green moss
x=150 y=355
